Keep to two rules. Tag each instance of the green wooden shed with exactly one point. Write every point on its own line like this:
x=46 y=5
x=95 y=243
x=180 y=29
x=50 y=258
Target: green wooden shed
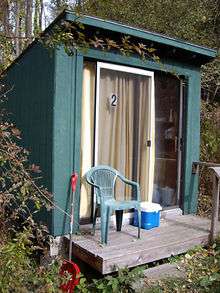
x=101 y=107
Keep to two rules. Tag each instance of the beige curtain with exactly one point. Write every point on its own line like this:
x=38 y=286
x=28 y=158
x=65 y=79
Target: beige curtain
x=146 y=133
x=115 y=128
x=87 y=134
x=123 y=130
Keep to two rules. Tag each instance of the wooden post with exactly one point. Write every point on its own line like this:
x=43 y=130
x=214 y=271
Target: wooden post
x=215 y=206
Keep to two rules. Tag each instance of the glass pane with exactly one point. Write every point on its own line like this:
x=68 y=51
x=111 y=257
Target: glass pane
x=167 y=94
x=123 y=127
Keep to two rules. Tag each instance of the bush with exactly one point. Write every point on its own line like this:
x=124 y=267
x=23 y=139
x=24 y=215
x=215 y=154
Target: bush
x=21 y=238
x=20 y=271
x=210 y=152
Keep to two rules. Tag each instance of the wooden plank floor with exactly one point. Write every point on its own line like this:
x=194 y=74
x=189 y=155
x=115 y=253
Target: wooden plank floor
x=173 y=237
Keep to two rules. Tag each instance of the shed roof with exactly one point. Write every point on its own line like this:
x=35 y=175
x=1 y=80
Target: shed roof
x=140 y=33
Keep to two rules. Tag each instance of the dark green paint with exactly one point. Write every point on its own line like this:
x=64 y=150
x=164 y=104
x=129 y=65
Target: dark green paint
x=31 y=80
x=192 y=142
x=63 y=139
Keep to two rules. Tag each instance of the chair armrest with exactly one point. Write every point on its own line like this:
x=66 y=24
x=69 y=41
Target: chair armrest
x=131 y=183
x=93 y=184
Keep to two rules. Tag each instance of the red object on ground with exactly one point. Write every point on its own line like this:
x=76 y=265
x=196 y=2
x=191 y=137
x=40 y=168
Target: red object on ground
x=72 y=269
x=74 y=179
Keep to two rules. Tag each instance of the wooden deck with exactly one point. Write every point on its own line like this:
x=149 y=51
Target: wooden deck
x=173 y=237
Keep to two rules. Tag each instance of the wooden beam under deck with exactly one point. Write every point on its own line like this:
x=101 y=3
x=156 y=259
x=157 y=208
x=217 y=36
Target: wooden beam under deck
x=174 y=236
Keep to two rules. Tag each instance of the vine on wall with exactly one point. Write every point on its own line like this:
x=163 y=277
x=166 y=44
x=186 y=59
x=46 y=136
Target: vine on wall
x=74 y=36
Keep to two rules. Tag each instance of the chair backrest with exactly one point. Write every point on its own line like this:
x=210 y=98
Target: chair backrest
x=104 y=177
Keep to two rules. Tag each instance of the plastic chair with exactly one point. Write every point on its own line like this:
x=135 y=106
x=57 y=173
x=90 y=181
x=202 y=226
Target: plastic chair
x=103 y=179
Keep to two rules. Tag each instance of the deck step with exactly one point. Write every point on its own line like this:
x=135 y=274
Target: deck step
x=160 y=272
x=167 y=270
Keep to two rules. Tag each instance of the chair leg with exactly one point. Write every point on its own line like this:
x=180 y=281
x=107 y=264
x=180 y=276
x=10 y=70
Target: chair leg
x=139 y=223
x=109 y=213
x=119 y=217
x=103 y=224
x=95 y=212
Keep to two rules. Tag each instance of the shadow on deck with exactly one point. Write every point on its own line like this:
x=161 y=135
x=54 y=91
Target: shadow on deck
x=174 y=236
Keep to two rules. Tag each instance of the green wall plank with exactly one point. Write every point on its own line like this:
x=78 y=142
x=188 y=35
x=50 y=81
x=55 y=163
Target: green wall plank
x=192 y=142
x=31 y=79
x=63 y=140
x=67 y=136
x=165 y=65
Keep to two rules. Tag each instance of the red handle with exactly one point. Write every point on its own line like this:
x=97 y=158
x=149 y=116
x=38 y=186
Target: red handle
x=74 y=179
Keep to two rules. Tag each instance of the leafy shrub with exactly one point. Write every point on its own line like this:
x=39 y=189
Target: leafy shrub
x=20 y=271
x=210 y=152
x=21 y=238
x=210 y=133
x=122 y=282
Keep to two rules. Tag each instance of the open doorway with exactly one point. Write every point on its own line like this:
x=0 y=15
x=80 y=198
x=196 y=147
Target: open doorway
x=168 y=139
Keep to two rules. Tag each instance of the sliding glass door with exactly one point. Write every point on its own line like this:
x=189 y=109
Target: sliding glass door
x=124 y=124
x=168 y=120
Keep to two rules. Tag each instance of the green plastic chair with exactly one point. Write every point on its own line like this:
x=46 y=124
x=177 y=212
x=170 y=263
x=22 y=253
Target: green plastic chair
x=103 y=179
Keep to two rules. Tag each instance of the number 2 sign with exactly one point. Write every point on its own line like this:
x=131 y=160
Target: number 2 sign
x=113 y=99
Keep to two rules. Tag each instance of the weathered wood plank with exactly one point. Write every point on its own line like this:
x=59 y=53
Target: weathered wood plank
x=138 y=246
x=165 y=271
x=215 y=207
x=128 y=236
x=151 y=254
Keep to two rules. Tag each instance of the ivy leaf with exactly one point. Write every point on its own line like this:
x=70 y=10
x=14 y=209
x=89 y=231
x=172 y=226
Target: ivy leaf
x=151 y=50
x=16 y=132
x=111 y=44
x=35 y=168
x=97 y=43
x=137 y=49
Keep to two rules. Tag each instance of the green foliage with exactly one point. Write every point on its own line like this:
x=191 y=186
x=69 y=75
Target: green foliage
x=21 y=238
x=192 y=20
x=203 y=268
x=209 y=152
x=211 y=80
x=74 y=36
x=210 y=132
x=123 y=282
x=19 y=270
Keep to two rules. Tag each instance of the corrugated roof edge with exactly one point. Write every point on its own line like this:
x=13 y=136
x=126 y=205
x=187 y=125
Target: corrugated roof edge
x=140 y=33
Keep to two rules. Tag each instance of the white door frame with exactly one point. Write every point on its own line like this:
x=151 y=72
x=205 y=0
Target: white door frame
x=137 y=71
